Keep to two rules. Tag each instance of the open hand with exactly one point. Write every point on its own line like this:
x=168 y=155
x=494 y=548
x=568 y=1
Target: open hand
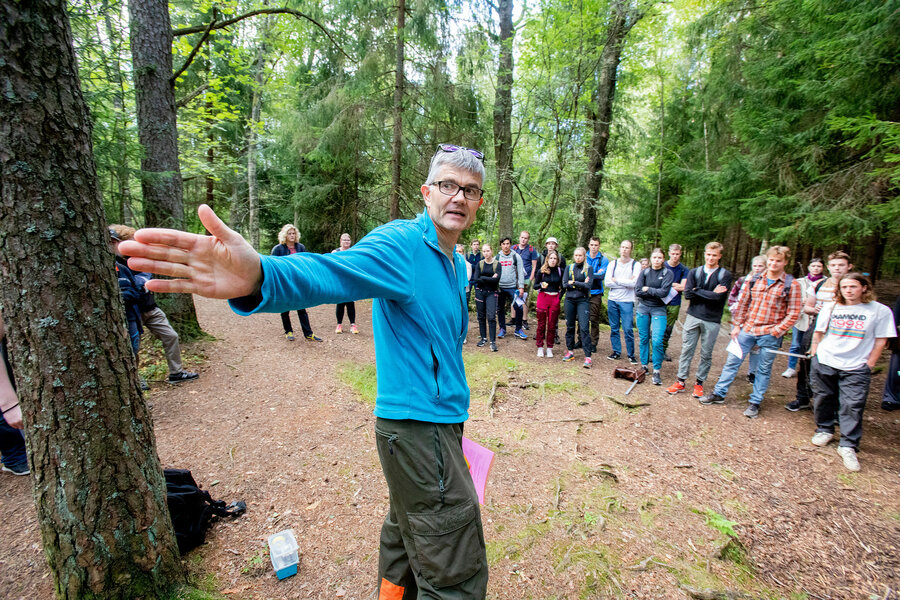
x=222 y=265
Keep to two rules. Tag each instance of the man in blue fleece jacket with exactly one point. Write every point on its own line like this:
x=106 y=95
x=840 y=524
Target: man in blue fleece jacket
x=432 y=543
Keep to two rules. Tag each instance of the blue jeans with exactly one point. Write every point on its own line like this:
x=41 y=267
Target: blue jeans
x=656 y=324
x=621 y=315
x=763 y=368
x=796 y=344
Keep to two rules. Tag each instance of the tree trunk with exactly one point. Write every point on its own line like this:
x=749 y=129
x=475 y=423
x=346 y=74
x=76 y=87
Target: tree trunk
x=621 y=21
x=252 y=137
x=396 y=142
x=97 y=482
x=503 y=151
x=161 y=187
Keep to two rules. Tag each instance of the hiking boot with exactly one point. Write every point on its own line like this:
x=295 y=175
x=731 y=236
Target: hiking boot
x=712 y=399
x=339 y=329
x=289 y=336
x=657 y=378
x=568 y=356
x=501 y=334
x=698 y=390
x=789 y=372
x=849 y=456
x=822 y=438
x=520 y=333
x=549 y=353
x=182 y=376
x=481 y=343
x=675 y=388
x=796 y=405
x=354 y=329
x=751 y=377
x=540 y=353
x=614 y=356
x=667 y=358
x=587 y=363
x=633 y=360
x=18 y=469
x=314 y=338
x=889 y=406
x=493 y=347
x=752 y=411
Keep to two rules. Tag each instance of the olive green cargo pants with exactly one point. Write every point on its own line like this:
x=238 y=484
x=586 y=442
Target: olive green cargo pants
x=432 y=543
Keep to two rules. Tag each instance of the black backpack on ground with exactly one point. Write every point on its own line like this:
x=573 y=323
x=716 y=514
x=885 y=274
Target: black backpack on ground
x=192 y=509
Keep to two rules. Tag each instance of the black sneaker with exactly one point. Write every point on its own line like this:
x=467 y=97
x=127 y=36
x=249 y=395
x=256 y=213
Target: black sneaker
x=667 y=358
x=632 y=360
x=888 y=405
x=493 y=347
x=182 y=376
x=19 y=469
x=712 y=399
x=525 y=325
x=657 y=378
x=481 y=343
x=144 y=385
x=751 y=377
x=797 y=405
x=614 y=356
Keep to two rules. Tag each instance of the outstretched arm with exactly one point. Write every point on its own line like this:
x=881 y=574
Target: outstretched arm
x=221 y=265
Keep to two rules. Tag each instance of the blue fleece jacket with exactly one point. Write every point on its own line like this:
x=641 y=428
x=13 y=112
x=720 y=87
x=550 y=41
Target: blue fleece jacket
x=599 y=264
x=419 y=316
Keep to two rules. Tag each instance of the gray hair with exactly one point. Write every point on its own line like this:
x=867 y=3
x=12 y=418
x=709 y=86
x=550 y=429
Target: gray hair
x=461 y=159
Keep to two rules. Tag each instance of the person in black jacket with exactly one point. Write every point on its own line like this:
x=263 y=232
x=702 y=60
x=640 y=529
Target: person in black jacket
x=486 y=276
x=707 y=289
x=548 y=281
x=287 y=245
x=890 y=400
x=577 y=281
x=652 y=290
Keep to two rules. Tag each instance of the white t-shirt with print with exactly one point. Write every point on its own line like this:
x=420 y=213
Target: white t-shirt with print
x=850 y=333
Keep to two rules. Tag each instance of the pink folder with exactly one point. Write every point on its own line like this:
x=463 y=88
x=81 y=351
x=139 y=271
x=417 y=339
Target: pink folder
x=479 y=459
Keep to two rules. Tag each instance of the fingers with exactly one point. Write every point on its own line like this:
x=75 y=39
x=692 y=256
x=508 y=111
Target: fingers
x=214 y=225
x=154 y=252
x=163 y=237
x=160 y=267
x=172 y=286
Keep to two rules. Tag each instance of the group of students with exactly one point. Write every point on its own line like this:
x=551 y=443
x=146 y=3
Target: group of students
x=838 y=329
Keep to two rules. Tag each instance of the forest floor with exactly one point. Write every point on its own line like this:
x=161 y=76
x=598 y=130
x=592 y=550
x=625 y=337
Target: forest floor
x=586 y=498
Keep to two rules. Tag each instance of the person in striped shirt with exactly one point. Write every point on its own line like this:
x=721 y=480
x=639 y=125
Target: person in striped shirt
x=767 y=308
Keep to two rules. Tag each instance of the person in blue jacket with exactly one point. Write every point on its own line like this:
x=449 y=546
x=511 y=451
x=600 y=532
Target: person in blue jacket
x=432 y=542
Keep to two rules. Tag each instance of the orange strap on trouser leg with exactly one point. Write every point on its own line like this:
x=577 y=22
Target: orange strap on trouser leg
x=390 y=591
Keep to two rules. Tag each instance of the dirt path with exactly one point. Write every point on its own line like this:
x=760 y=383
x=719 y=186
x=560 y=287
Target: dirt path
x=586 y=498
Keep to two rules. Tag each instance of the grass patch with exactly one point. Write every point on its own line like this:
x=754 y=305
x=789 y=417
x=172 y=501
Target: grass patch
x=723 y=471
x=515 y=547
x=593 y=564
x=361 y=379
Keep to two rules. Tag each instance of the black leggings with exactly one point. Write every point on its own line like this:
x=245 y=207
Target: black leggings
x=486 y=308
x=351 y=312
x=304 y=322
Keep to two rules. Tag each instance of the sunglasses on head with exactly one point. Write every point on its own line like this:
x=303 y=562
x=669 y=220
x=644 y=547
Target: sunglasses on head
x=452 y=148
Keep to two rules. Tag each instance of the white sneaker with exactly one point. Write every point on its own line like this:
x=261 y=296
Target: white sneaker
x=540 y=353
x=549 y=352
x=849 y=456
x=788 y=373
x=822 y=438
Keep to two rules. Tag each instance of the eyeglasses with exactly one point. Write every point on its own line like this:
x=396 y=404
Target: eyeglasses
x=449 y=188
x=452 y=148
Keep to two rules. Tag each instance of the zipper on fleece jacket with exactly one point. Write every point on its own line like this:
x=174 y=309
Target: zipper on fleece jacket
x=463 y=325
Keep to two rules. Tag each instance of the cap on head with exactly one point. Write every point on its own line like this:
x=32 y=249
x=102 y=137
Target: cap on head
x=113 y=234
x=552 y=239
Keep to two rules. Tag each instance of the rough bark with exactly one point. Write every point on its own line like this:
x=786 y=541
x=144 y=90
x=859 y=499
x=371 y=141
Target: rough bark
x=397 y=141
x=97 y=482
x=503 y=150
x=622 y=19
x=161 y=186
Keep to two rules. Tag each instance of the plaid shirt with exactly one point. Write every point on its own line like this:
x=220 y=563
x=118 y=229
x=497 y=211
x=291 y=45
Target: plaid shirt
x=767 y=311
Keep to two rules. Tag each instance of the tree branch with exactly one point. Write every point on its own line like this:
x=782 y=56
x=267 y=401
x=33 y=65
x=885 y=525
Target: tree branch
x=184 y=101
x=196 y=48
x=262 y=11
